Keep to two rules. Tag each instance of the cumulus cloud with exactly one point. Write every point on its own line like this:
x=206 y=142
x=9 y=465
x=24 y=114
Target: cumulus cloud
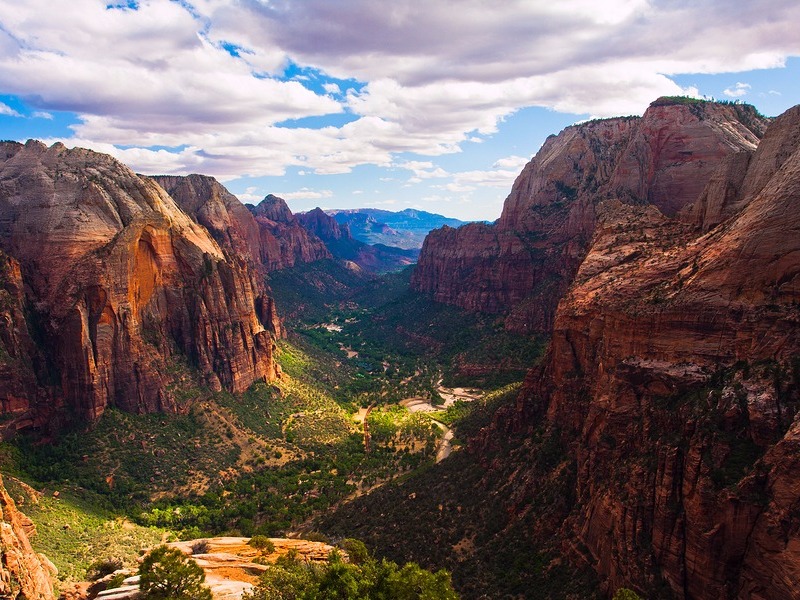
x=738 y=90
x=207 y=78
x=511 y=163
x=306 y=194
x=5 y=109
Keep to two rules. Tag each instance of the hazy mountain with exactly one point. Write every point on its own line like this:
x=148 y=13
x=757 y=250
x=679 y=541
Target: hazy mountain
x=405 y=229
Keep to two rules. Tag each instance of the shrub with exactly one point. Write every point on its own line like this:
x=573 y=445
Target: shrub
x=262 y=543
x=166 y=574
x=355 y=549
x=626 y=594
x=101 y=568
x=201 y=547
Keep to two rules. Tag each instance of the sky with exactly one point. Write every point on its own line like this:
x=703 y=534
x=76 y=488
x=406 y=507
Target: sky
x=434 y=104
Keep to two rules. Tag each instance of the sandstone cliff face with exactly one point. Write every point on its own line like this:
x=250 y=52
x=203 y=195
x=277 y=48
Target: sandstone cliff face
x=523 y=264
x=673 y=377
x=121 y=283
x=251 y=234
x=284 y=241
x=23 y=573
x=24 y=400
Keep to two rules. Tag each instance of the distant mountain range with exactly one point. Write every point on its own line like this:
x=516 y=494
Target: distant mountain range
x=405 y=229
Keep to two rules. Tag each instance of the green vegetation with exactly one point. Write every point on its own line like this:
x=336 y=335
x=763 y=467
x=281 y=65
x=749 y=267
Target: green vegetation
x=291 y=579
x=77 y=534
x=268 y=461
x=626 y=594
x=492 y=529
x=166 y=574
x=262 y=543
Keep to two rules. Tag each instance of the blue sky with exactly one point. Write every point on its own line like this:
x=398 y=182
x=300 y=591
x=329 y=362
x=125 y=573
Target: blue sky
x=433 y=105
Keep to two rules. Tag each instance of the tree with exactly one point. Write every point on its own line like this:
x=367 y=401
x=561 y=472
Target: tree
x=262 y=543
x=166 y=574
x=292 y=579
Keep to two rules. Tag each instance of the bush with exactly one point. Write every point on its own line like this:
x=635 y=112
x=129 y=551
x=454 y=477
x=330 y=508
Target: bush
x=166 y=574
x=262 y=543
x=355 y=549
x=101 y=568
x=626 y=594
x=201 y=547
x=292 y=579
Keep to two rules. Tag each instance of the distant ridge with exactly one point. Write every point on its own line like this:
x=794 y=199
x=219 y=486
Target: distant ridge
x=403 y=229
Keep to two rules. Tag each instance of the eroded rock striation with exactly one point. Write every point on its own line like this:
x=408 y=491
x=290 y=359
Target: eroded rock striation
x=120 y=286
x=523 y=263
x=24 y=574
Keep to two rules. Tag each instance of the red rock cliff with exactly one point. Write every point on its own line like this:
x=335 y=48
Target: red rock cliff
x=24 y=574
x=523 y=264
x=273 y=244
x=121 y=283
x=673 y=378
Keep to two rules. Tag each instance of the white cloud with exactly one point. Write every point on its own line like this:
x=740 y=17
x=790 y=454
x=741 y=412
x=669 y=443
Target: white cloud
x=434 y=77
x=422 y=170
x=5 y=109
x=738 y=90
x=306 y=194
x=511 y=163
x=40 y=114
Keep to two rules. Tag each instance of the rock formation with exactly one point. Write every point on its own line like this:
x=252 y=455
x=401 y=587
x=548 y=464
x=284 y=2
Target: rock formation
x=267 y=235
x=375 y=258
x=121 y=286
x=523 y=263
x=24 y=574
x=673 y=376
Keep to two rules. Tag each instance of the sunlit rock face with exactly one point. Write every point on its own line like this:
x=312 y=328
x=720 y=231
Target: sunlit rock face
x=524 y=263
x=267 y=234
x=119 y=284
x=24 y=574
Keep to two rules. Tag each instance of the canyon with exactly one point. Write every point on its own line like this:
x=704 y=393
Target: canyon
x=654 y=446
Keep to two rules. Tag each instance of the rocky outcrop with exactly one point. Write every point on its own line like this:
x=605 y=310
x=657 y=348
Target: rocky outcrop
x=252 y=234
x=24 y=574
x=231 y=566
x=284 y=241
x=522 y=264
x=673 y=377
x=123 y=285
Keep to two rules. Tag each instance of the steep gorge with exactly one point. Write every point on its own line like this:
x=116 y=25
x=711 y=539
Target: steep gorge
x=657 y=444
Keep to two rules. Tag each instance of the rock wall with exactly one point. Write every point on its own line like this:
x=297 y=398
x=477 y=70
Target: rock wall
x=120 y=284
x=522 y=264
x=673 y=377
x=24 y=574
